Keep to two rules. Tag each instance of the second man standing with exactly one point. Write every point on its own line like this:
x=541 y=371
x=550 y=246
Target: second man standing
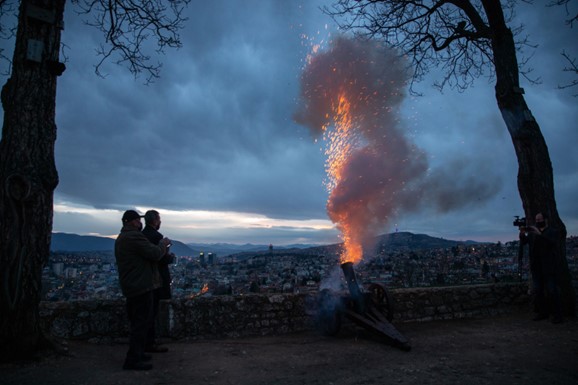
x=151 y=231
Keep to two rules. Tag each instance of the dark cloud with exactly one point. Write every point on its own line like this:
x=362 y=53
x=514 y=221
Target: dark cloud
x=216 y=131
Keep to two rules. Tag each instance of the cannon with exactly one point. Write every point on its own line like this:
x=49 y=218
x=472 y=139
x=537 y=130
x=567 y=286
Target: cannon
x=371 y=310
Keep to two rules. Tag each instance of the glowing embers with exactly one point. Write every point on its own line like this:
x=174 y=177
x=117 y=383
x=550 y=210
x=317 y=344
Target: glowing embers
x=341 y=141
x=351 y=96
x=203 y=290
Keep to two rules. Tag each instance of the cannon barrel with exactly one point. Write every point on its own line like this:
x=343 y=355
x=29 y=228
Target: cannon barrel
x=354 y=290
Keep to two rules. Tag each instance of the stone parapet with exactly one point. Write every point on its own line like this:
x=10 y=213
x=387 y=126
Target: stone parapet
x=472 y=301
x=260 y=314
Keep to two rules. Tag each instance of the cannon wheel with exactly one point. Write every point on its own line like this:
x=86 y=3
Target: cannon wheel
x=381 y=300
x=328 y=314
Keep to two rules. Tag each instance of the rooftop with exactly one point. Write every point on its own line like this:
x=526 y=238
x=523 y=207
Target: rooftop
x=510 y=349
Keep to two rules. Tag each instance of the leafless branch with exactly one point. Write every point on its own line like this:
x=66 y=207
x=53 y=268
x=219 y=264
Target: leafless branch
x=8 y=9
x=453 y=35
x=129 y=26
x=572 y=66
x=572 y=17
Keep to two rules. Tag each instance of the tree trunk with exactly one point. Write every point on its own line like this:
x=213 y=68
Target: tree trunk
x=28 y=174
x=535 y=175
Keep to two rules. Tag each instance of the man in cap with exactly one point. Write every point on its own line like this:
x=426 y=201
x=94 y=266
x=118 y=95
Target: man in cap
x=136 y=260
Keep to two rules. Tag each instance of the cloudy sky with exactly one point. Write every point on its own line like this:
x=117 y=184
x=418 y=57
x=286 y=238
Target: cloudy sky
x=214 y=146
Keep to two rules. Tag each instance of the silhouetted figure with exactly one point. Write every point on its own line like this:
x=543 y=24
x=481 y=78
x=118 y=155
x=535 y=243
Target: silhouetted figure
x=136 y=259
x=545 y=267
x=151 y=231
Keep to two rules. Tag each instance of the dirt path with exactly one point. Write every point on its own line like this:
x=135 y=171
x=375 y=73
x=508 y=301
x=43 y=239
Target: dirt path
x=507 y=350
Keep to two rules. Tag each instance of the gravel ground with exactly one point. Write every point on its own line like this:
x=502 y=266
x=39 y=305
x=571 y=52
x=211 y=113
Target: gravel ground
x=507 y=350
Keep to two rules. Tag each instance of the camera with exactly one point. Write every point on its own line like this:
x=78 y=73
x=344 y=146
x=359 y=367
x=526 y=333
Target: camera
x=519 y=222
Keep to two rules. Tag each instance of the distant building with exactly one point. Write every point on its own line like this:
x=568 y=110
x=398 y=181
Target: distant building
x=58 y=268
x=70 y=272
x=211 y=259
x=202 y=258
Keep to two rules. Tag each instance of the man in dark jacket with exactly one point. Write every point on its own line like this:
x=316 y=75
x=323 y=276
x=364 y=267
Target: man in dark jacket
x=544 y=266
x=151 y=231
x=136 y=260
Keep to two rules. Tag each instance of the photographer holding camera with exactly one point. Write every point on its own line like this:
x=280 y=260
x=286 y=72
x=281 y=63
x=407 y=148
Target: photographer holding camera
x=544 y=266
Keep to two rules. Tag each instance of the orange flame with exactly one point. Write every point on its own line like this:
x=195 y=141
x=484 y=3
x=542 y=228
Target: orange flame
x=351 y=95
x=341 y=141
x=203 y=290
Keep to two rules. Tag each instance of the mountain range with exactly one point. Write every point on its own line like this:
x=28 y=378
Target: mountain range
x=79 y=243
x=394 y=241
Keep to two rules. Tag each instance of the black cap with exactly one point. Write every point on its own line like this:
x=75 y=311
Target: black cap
x=130 y=215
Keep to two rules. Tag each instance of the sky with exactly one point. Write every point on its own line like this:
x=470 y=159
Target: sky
x=215 y=146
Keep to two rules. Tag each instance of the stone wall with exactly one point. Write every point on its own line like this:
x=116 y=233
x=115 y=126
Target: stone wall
x=476 y=301
x=258 y=314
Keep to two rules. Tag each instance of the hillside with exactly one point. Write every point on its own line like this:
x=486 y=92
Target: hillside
x=75 y=242
x=390 y=242
x=410 y=241
x=402 y=241
x=83 y=243
x=226 y=249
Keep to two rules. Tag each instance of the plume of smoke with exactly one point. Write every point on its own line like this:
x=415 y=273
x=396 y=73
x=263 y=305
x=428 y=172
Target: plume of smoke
x=385 y=174
x=332 y=281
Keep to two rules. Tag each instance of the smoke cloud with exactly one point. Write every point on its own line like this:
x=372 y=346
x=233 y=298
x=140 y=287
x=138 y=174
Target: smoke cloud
x=381 y=172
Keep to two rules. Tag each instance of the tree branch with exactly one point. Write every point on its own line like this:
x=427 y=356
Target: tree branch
x=452 y=34
x=566 y=3
x=571 y=61
x=572 y=66
x=129 y=26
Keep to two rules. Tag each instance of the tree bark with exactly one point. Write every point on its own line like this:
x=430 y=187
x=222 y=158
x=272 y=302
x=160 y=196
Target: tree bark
x=28 y=174
x=535 y=174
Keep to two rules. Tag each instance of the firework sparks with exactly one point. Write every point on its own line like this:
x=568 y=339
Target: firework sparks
x=351 y=94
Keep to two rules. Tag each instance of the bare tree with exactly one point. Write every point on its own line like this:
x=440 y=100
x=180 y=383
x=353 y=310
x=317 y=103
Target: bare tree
x=28 y=174
x=469 y=39
x=127 y=26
